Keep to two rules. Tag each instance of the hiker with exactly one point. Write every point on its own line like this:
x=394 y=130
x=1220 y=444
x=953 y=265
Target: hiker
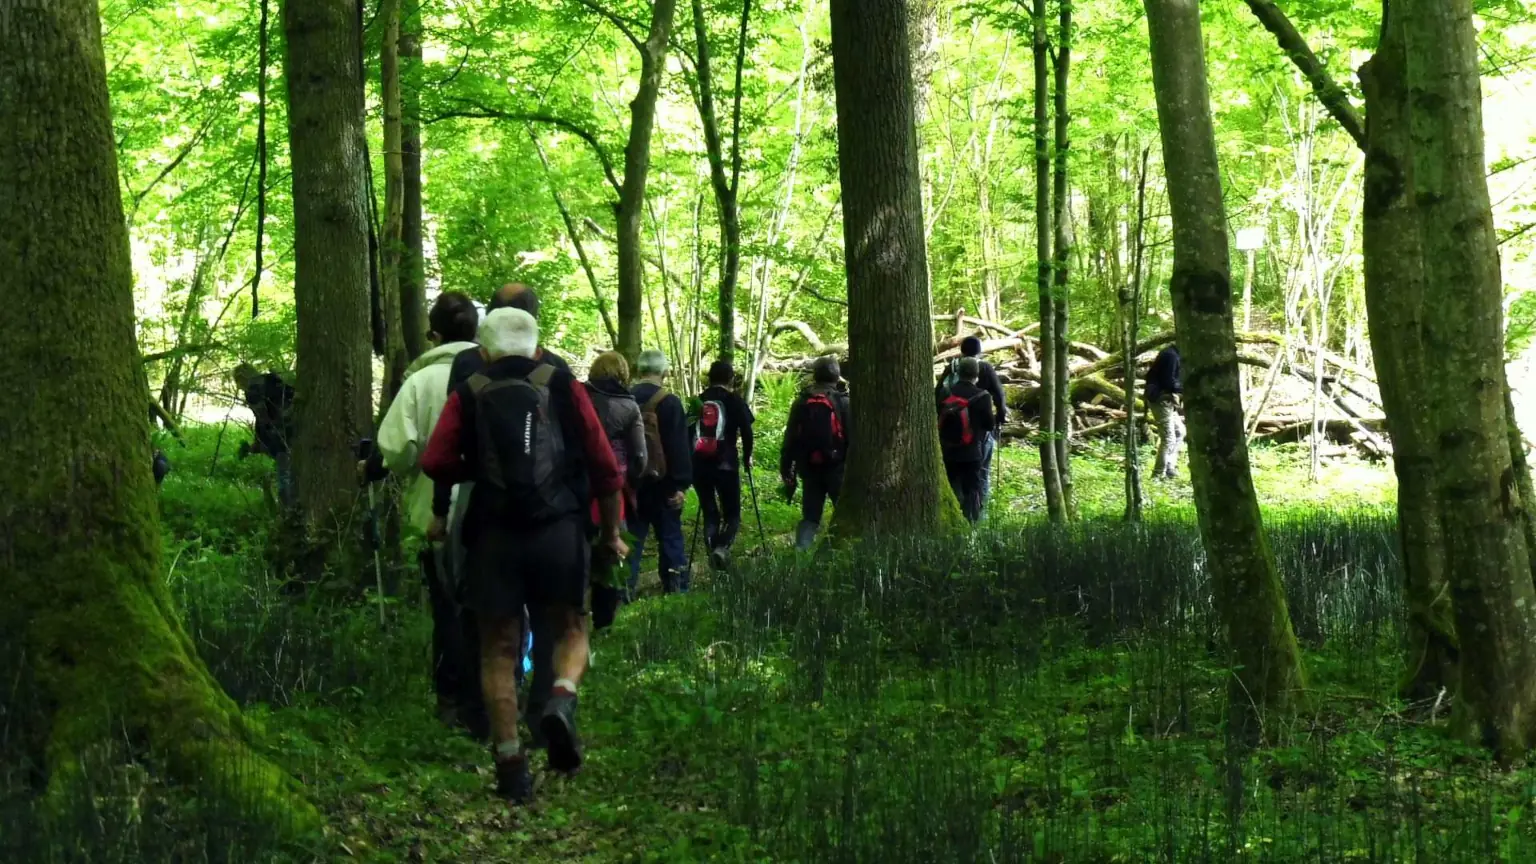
x=815 y=447
x=970 y=346
x=270 y=399
x=1164 y=388
x=608 y=388
x=401 y=441
x=724 y=417
x=160 y=464
x=527 y=435
x=665 y=480
x=512 y=295
x=966 y=424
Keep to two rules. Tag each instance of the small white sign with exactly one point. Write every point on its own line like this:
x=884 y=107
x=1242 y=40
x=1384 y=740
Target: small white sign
x=1250 y=239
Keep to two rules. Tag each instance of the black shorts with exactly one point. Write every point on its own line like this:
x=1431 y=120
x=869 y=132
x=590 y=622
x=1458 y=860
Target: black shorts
x=543 y=566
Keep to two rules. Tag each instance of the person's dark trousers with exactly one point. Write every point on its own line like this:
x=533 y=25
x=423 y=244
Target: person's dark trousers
x=537 y=619
x=966 y=479
x=719 y=491
x=818 y=485
x=455 y=648
x=989 y=457
x=654 y=513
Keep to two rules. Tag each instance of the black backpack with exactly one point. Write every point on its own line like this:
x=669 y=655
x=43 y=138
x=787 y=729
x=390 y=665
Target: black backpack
x=521 y=448
x=955 y=430
x=822 y=437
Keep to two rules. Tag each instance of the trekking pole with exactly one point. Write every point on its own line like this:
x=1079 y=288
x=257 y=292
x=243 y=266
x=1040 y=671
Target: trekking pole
x=762 y=537
x=378 y=570
x=693 y=545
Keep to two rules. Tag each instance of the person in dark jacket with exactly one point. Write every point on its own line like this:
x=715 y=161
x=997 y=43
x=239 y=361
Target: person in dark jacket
x=608 y=387
x=659 y=501
x=987 y=379
x=161 y=465
x=724 y=418
x=966 y=424
x=270 y=399
x=528 y=541
x=1165 y=386
x=816 y=446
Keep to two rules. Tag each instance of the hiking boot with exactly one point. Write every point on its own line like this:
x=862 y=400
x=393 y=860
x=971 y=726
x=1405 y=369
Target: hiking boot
x=559 y=727
x=513 y=780
x=719 y=558
x=805 y=535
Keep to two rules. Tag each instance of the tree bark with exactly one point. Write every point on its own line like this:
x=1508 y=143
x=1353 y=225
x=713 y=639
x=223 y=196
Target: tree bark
x=1130 y=305
x=637 y=166
x=724 y=185
x=263 y=58
x=331 y=257
x=100 y=652
x=895 y=483
x=1394 y=298
x=1463 y=330
x=392 y=251
x=413 y=283
x=1061 y=296
x=1249 y=596
x=1050 y=377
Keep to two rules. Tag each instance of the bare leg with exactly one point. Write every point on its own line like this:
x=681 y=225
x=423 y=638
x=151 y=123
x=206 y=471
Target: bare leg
x=499 y=656
x=569 y=624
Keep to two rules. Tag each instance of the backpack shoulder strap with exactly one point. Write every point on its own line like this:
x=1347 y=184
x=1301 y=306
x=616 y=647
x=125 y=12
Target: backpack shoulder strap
x=477 y=383
x=542 y=375
x=656 y=399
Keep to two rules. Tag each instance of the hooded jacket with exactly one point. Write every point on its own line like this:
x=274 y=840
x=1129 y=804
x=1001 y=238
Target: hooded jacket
x=408 y=426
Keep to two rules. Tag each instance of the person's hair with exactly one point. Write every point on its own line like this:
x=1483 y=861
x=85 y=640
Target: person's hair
x=969 y=369
x=970 y=346
x=826 y=371
x=610 y=364
x=652 y=363
x=721 y=373
x=515 y=295
x=454 y=317
x=243 y=373
x=509 y=333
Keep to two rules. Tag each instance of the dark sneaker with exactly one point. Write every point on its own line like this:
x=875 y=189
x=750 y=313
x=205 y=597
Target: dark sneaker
x=718 y=558
x=513 y=780
x=559 y=727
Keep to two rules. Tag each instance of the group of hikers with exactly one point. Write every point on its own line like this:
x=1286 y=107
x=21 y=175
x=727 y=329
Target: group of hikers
x=524 y=479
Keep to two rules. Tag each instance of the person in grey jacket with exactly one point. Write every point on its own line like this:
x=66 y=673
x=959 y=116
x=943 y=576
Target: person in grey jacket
x=608 y=386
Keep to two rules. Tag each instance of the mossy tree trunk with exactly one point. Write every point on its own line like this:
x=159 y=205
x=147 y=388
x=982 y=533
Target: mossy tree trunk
x=331 y=256
x=895 y=483
x=392 y=253
x=1394 y=297
x=105 y=654
x=1050 y=379
x=413 y=286
x=1463 y=329
x=1061 y=295
x=1249 y=596
x=637 y=168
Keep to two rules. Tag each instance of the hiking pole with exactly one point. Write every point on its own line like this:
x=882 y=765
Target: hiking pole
x=363 y=451
x=762 y=537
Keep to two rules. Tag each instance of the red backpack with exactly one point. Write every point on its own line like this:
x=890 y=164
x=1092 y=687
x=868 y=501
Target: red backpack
x=821 y=430
x=711 y=430
x=955 y=422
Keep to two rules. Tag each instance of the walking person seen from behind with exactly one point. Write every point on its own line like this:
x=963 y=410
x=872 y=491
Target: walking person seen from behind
x=270 y=399
x=1163 y=391
x=528 y=437
x=724 y=417
x=665 y=480
x=816 y=447
x=608 y=387
x=966 y=425
x=987 y=379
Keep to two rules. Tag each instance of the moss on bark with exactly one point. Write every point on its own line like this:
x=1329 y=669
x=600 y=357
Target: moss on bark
x=79 y=535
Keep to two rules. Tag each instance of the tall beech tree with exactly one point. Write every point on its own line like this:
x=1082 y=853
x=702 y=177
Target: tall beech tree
x=1061 y=263
x=1481 y=513
x=413 y=286
x=1050 y=375
x=331 y=257
x=895 y=483
x=1249 y=596
x=103 y=655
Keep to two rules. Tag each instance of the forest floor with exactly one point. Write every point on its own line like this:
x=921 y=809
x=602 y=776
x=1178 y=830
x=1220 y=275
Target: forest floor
x=772 y=715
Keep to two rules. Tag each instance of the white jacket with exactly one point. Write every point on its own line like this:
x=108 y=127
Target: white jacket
x=408 y=426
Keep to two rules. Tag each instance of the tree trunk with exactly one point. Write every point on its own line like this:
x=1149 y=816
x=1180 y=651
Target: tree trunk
x=1055 y=500
x=263 y=58
x=637 y=166
x=1061 y=297
x=413 y=282
x=102 y=655
x=1249 y=595
x=331 y=266
x=1394 y=298
x=392 y=253
x=724 y=186
x=1130 y=305
x=895 y=484
x=1463 y=330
